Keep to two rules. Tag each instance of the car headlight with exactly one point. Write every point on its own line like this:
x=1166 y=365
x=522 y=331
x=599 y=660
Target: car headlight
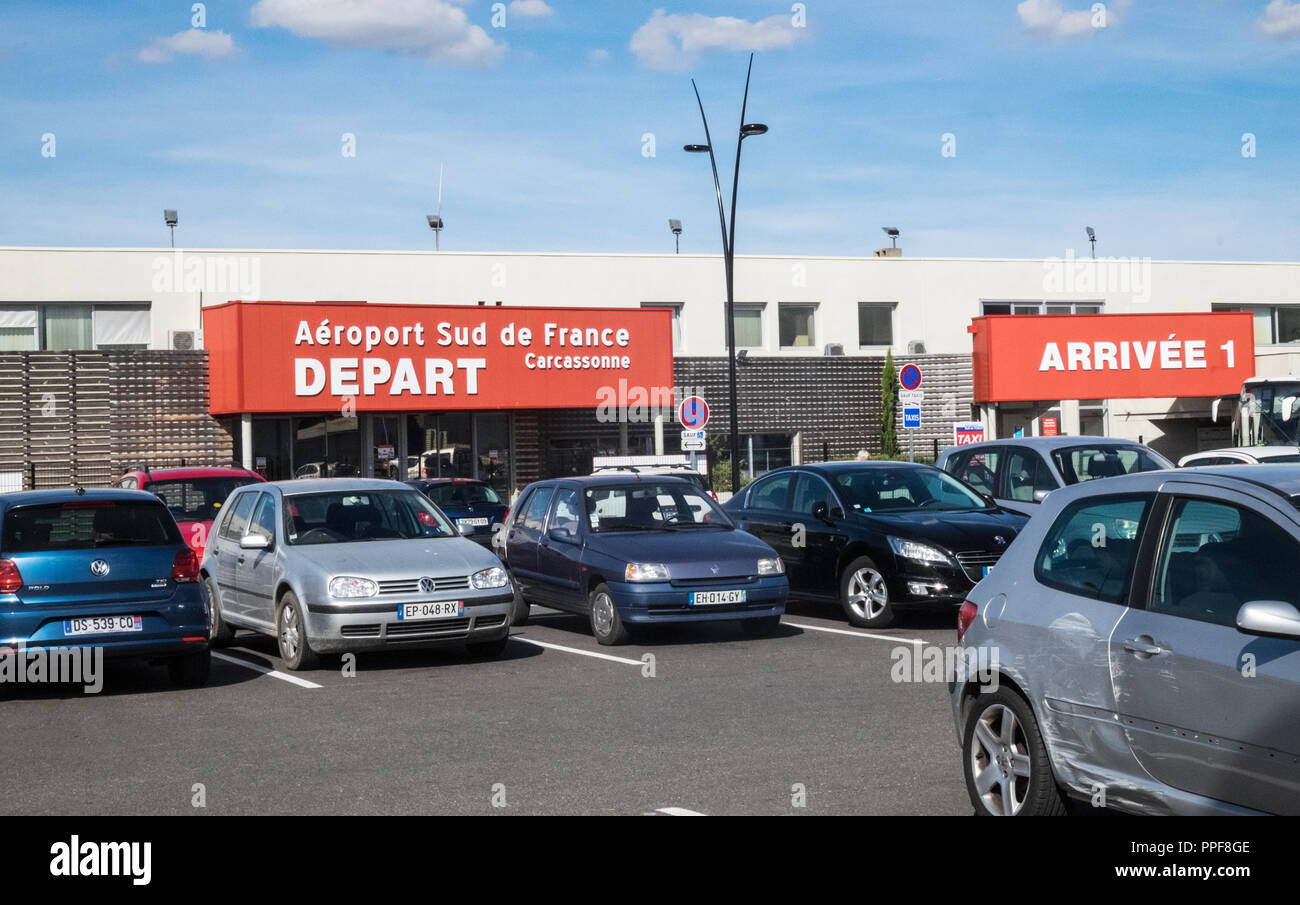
x=910 y=549
x=349 y=586
x=494 y=577
x=646 y=571
x=772 y=566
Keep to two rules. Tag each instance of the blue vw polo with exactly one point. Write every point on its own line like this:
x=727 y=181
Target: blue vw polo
x=628 y=551
x=101 y=568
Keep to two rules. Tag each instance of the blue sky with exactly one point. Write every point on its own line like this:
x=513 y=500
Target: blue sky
x=1135 y=128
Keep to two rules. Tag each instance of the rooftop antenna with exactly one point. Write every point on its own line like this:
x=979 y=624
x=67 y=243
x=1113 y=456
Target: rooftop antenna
x=435 y=221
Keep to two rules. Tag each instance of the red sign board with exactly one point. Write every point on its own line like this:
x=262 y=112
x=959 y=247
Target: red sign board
x=1049 y=426
x=967 y=432
x=286 y=357
x=1111 y=356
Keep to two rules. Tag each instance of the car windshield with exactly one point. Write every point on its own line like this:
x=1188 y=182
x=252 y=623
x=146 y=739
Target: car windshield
x=1087 y=463
x=196 y=499
x=353 y=516
x=460 y=496
x=905 y=490
x=87 y=525
x=652 y=506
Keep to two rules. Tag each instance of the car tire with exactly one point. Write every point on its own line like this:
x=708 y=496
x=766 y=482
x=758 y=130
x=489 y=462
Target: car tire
x=291 y=634
x=220 y=631
x=1005 y=762
x=191 y=670
x=487 y=650
x=606 y=624
x=520 y=610
x=864 y=594
x=763 y=627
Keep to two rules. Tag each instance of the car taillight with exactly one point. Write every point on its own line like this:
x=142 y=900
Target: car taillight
x=10 y=578
x=965 y=616
x=185 y=567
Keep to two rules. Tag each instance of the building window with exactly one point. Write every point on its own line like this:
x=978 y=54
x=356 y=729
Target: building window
x=748 y=321
x=71 y=327
x=875 y=323
x=1038 y=306
x=676 y=308
x=796 y=325
x=1273 y=323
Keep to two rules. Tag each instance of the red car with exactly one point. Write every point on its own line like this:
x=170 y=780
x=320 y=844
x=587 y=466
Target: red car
x=194 y=495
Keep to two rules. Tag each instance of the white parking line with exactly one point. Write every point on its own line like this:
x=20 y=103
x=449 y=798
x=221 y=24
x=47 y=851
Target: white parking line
x=678 y=812
x=841 y=631
x=266 y=670
x=574 y=650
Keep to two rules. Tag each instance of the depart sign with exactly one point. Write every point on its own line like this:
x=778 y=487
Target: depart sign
x=288 y=357
x=1020 y=358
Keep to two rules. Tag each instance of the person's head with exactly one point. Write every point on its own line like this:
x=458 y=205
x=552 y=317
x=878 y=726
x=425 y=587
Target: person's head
x=863 y=455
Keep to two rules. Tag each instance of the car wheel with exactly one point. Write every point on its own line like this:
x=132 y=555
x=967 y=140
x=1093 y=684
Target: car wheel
x=761 y=627
x=865 y=595
x=191 y=670
x=605 y=622
x=1006 y=765
x=520 y=610
x=487 y=650
x=291 y=633
x=221 y=632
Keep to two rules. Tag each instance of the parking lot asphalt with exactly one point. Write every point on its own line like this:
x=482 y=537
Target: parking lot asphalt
x=713 y=723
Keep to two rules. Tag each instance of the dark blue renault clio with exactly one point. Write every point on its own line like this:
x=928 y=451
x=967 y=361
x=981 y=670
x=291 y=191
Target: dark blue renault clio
x=628 y=551
x=101 y=568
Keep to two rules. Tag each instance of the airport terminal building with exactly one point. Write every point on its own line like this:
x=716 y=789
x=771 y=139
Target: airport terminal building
x=513 y=366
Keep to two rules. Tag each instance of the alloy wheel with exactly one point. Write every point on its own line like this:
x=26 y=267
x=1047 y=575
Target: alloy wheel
x=602 y=614
x=999 y=761
x=289 y=632
x=868 y=594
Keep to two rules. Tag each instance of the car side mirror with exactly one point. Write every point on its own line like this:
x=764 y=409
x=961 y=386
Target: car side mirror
x=563 y=535
x=254 y=542
x=825 y=513
x=1040 y=495
x=1271 y=618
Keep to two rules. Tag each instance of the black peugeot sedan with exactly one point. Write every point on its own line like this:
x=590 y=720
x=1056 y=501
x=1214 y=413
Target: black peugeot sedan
x=878 y=537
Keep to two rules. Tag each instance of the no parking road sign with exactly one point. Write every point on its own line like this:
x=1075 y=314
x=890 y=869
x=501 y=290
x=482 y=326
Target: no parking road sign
x=693 y=413
x=909 y=377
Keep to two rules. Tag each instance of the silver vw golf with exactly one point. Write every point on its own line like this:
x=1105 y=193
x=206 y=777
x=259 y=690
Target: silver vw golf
x=1138 y=648
x=347 y=564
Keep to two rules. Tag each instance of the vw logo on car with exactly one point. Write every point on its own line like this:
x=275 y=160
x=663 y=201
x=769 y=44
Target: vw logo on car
x=426 y=585
x=99 y=567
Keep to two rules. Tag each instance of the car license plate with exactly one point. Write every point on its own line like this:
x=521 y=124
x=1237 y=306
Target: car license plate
x=102 y=625
x=706 y=598
x=473 y=522
x=438 y=609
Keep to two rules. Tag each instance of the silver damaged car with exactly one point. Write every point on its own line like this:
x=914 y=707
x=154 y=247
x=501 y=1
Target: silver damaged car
x=348 y=564
x=1138 y=648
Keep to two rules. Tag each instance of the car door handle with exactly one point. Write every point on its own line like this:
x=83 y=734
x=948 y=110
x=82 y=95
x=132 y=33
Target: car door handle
x=1143 y=645
x=241 y=559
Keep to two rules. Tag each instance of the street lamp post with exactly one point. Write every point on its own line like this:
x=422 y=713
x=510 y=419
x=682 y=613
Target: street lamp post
x=728 y=254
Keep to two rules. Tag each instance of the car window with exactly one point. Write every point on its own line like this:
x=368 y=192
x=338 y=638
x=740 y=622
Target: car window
x=535 y=515
x=809 y=490
x=461 y=496
x=233 y=529
x=521 y=508
x=87 y=525
x=197 y=499
x=904 y=489
x=1213 y=460
x=771 y=493
x=1214 y=557
x=351 y=516
x=645 y=506
x=263 y=522
x=1091 y=547
x=565 y=512
x=978 y=468
x=1026 y=474
x=1087 y=463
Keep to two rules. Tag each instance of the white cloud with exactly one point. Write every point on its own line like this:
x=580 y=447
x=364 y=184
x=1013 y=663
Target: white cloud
x=435 y=29
x=598 y=55
x=674 y=42
x=1049 y=18
x=200 y=41
x=527 y=8
x=1281 y=19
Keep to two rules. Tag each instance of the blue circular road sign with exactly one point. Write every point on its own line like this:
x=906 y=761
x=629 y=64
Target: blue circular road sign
x=910 y=377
